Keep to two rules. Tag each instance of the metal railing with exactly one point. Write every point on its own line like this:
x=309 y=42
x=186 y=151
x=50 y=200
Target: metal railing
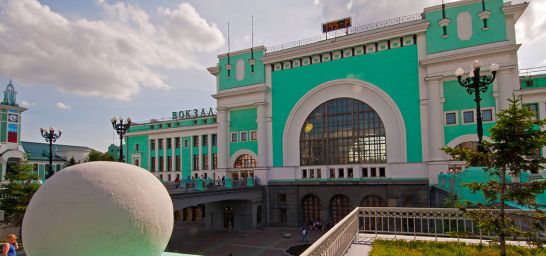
x=349 y=31
x=431 y=222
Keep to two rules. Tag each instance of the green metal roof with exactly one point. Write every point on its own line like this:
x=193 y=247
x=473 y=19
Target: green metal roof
x=40 y=151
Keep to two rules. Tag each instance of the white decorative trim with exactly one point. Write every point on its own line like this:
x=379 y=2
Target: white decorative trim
x=241 y=136
x=464 y=138
x=464 y=26
x=444 y=22
x=370 y=94
x=256 y=49
x=484 y=15
x=231 y=137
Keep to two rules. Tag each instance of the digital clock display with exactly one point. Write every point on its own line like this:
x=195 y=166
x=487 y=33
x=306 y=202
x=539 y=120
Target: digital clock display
x=335 y=25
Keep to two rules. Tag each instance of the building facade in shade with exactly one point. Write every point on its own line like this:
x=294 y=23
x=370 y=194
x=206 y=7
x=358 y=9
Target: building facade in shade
x=352 y=120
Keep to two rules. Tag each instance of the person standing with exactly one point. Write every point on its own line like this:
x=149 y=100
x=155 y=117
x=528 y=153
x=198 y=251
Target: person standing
x=11 y=246
x=304 y=233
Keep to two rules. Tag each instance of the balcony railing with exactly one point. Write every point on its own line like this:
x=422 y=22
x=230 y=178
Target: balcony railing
x=344 y=32
x=431 y=222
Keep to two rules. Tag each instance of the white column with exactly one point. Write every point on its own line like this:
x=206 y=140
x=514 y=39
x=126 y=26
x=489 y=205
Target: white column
x=173 y=156
x=223 y=139
x=157 y=155
x=436 y=123
x=262 y=135
x=506 y=86
x=165 y=162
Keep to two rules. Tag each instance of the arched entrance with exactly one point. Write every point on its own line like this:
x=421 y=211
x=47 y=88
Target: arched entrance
x=339 y=207
x=244 y=166
x=343 y=131
x=371 y=201
x=311 y=209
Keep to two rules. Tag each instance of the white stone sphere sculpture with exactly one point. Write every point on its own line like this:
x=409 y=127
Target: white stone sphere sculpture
x=99 y=208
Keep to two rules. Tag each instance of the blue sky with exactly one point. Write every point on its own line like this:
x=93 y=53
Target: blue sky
x=75 y=64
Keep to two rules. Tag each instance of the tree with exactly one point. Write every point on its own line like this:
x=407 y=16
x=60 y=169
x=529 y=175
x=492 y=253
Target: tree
x=515 y=137
x=21 y=186
x=71 y=162
x=99 y=156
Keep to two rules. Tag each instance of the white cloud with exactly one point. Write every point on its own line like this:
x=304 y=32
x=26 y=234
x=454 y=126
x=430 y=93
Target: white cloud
x=531 y=26
x=27 y=104
x=62 y=106
x=113 y=57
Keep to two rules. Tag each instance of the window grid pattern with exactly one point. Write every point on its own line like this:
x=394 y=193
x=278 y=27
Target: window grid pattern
x=311 y=209
x=339 y=207
x=245 y=161
x=343 y=131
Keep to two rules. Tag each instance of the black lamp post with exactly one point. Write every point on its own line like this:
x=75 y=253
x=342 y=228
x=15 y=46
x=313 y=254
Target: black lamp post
x=476 y=84
x=121 y=128
x=50 y=136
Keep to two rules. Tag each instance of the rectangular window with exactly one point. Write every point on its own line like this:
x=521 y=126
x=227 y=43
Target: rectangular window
x=332 y=173
x=451 y=118
x=152 y=164
x=312 y=173
x=214 y=140
x=205 y=162
x=160 y=144
x=169 y=177
x=253 y=136
x=487 y=115
x=178 y=163
x=152 y=144
x=205 y=140
x=170 y=163
x=186 y=143
x=234 y=137
x=169 y=143
x=304 y=173
x=162 y=163
x=244 y=136
x=319 y=174
x=214 y=161
x=373 y=172
x=533 y=108
x=137 y=147
x=177 y=142
x=340 y=173
x=196 y=162
x=283 y=216
x=349 y=172
x=381 y=171
x=364 y=172
x=58 y=167
x=35 y=167
x=468 y=117
x=195 y=141
x=282 y=198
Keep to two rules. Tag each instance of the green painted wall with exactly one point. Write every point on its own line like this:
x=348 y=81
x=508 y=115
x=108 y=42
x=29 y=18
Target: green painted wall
x=186 y=158
x=457 y=99
x=495 y=33
x=243 y=120
x=142 y=141
x=291 y=84
x=250 y=78
x=537 y=82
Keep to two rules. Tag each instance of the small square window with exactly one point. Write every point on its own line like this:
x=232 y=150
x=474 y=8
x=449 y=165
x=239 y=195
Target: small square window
x=186 y=143
x=244 y=136
x=373 y=172
x=381 y=171
x=364 y=172
x=487 y=115
x=234 y=137
x=451 y=118
x=253 y=136
x=282 y=198
x=533 y=108
x=332 y=173
x=340 y=173
x=468 y=117
x=349 y=172
x=304 y=173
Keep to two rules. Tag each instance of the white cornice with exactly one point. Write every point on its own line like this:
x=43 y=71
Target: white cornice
x=214 y=70
x=171 y=130
x=516 y=10
x=530 y=91
x=375 y=35
x=240 y=91
x=257 y=48
x=452 y=4
x=468 y=52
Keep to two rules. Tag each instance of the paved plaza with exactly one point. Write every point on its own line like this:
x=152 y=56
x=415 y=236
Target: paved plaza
x=193 y=239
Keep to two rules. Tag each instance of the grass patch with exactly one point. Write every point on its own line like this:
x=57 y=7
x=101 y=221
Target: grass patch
x=430 y=248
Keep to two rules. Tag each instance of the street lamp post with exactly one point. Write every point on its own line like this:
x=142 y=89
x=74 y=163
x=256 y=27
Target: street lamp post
x=50 y=136
x=121 y=128
x=476 y=84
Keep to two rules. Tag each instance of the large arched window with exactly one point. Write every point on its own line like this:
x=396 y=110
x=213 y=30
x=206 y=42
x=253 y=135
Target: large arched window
x=339 y=206
x=371 y=201
x=343 y=131
x=311 y=209
x=245 y=161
